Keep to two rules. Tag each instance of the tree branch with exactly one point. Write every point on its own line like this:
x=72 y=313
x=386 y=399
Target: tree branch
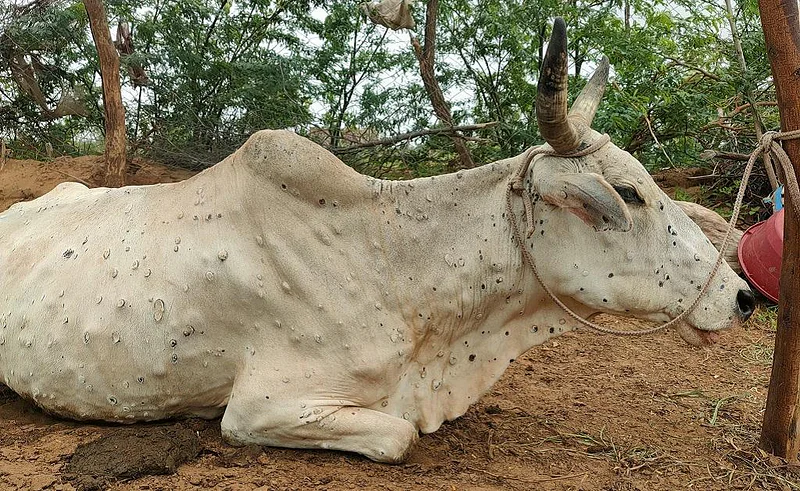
x=741 y=108
x=213 y=25
x=695 y=68
x=450 y=130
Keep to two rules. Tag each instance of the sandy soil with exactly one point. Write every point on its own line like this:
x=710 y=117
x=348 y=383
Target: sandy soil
x=586 y=411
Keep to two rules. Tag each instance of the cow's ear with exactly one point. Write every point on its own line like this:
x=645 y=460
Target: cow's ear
x=590 y=197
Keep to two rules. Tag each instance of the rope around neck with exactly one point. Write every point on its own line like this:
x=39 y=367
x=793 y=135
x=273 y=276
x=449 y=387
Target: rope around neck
x=768 y=143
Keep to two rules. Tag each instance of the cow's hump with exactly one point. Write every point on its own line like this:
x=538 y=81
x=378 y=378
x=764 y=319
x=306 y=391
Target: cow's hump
x=293 y=162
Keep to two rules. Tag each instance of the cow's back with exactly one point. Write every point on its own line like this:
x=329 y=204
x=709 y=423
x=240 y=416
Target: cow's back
x=141 y=302
x=105 y=296
x=147 y=302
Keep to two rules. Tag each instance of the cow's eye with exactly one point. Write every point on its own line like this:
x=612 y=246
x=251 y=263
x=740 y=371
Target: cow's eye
x=629 y=195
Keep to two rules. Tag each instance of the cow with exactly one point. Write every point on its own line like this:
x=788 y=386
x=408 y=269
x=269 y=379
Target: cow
x=314 y=307
x=715 y=228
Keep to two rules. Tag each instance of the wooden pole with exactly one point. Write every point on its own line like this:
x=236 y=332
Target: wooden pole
x=780 y=434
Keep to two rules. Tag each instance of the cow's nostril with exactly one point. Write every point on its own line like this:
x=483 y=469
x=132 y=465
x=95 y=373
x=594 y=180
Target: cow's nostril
x=746 y=302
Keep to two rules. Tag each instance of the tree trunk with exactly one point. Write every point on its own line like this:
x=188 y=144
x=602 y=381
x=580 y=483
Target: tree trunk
x=780 y=21
x=627 y=15
x=112 y=96
x=748 y=94
x=425 y=56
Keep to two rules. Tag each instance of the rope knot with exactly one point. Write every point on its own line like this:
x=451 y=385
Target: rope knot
x=766 y=140
x=517 y=184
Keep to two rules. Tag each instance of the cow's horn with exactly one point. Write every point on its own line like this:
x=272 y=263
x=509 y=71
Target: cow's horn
x=551 y=97
x=585 y=105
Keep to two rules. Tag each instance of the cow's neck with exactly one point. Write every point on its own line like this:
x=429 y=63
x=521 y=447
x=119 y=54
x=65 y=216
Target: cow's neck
x=469 y=302
x=436 y=266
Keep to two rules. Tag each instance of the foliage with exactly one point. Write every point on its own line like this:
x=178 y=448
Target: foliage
x=55 y=40
x=219 y=71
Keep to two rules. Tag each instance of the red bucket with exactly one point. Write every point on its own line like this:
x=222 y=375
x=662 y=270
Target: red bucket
x=760 y=252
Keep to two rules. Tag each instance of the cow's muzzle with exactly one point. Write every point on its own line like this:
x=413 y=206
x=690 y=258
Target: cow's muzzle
x=745 y=304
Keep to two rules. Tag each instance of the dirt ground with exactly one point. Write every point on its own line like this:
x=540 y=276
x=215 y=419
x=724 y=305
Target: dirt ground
x=586 y=411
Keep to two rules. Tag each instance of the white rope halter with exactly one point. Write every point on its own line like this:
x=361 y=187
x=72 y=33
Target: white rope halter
x=516 y=186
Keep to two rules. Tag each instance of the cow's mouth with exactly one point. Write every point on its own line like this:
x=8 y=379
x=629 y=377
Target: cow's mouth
x=697 y=337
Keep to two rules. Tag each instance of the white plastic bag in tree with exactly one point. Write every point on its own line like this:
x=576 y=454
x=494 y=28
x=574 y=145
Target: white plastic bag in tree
x=71 y=104
x=394 y=14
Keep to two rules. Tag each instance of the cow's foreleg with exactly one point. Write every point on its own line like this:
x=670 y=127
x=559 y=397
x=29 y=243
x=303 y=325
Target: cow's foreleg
x=315 y=424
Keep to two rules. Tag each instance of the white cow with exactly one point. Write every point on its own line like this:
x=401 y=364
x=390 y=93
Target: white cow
x=316 y=307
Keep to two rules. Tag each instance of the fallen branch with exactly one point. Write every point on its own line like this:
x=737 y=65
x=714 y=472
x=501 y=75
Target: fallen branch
x=73 y=177
x=449 y=130
x=717 y=154
x=706 y=177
